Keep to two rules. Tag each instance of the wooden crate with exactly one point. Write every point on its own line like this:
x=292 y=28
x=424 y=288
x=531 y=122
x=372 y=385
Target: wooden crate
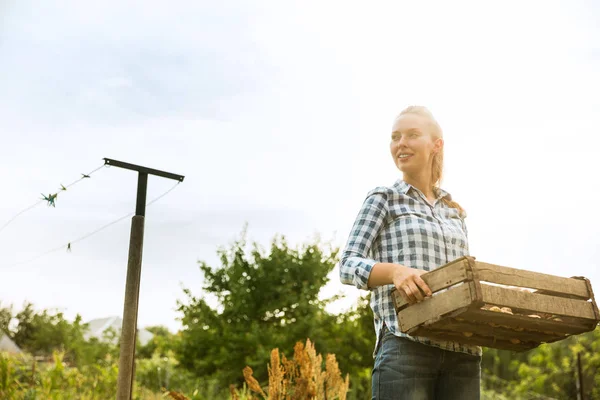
x=566 y=306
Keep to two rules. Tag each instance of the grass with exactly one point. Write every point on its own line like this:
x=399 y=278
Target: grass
x=306 y=376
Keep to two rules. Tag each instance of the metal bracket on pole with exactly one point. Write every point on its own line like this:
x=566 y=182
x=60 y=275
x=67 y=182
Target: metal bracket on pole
x=134 y=270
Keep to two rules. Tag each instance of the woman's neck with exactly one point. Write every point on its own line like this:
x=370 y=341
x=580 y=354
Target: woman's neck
x=421 y=182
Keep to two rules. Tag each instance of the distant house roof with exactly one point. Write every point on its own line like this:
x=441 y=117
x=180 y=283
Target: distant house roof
x=7 y=345
x=97 y=327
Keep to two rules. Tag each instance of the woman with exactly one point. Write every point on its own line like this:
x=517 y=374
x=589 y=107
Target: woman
x=401 y=232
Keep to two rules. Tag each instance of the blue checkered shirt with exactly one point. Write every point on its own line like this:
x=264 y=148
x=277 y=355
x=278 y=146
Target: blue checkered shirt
x=397 y=225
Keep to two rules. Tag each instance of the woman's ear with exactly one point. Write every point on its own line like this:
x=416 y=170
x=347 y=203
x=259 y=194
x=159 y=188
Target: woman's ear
x=438 y=145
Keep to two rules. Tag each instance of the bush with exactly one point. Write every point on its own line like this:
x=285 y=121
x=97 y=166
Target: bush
x=23 y=378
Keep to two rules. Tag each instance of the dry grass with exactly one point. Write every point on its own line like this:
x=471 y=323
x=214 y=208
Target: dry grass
x=252 y=382
x=175 y=395
x=301 y=378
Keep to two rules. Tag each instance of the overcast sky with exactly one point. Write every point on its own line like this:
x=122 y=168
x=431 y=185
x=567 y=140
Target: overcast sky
x=279 y=114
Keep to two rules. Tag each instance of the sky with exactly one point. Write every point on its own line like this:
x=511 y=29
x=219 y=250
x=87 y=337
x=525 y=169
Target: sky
x=279 y=114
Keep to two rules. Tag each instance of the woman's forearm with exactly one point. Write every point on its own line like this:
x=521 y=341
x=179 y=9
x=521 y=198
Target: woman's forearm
x=382 y=274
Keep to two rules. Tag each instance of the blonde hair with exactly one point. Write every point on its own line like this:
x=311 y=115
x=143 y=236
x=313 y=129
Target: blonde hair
x=437 y=166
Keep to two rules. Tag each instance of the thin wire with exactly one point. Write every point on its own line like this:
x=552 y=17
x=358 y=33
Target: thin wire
x=162 y=195
x=43 y=201
x=20 y=213
x=87 y=235
x=120 y=219
x=84 y=176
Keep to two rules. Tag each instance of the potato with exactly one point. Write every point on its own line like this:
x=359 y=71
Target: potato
x=506 y=310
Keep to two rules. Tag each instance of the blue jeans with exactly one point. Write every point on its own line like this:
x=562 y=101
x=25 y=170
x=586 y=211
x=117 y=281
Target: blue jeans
x=408 y=370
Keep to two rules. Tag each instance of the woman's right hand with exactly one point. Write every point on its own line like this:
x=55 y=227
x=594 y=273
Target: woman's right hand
x=409 y=283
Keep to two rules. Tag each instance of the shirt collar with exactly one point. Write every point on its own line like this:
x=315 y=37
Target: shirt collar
x=404 y=187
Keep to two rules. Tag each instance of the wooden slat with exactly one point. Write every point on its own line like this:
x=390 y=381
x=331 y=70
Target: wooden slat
x=434 y=307
x=535 y=280
x=539 y=324
x=537 y=302
x=474 y=340
x=591 y=292
x=484 y=329
x=439 y=279
x=447 y=275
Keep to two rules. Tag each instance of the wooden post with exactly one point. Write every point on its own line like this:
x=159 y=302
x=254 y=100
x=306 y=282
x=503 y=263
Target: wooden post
x=134 y=270
x=129 y=328
x=579 y=381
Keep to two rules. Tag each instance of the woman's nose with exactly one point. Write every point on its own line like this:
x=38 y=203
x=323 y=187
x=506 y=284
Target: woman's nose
x=401 y=141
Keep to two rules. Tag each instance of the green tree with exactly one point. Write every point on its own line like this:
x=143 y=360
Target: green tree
x=546 y=371
x=265 y=301
x=162 y=342
x=41 y=333
x=551 y=368
x=6 y=316
x=24 y=332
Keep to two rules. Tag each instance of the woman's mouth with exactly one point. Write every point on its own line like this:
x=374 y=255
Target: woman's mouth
x=403 y=157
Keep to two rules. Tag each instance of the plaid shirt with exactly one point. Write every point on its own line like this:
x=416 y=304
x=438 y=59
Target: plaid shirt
x=397 y=225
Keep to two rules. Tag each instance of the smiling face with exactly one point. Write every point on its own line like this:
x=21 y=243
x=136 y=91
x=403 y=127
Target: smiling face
x=414 y=141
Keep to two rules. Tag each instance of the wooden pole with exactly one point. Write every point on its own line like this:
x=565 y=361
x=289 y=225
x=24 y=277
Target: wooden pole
x=134 y=272
x=129 y=328
x=579 y=381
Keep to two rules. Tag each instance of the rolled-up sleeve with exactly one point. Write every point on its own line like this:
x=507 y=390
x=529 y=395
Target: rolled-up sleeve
x=355 y=264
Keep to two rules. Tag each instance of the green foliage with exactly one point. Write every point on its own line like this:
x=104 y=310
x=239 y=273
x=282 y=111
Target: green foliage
x=265 y=301
x=42 y=333
x=6 y=317
x=551 y=369
x=547 y=371
x=162 y=371
x=22 y=378
x=162 y=343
